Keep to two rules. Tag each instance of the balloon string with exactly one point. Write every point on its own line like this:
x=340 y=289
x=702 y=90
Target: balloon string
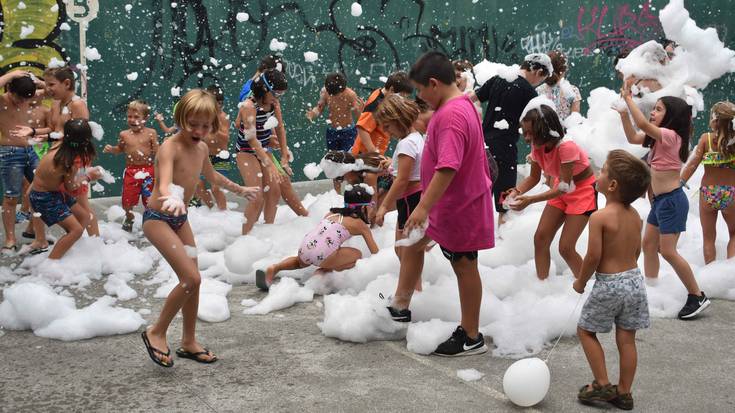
x=562 y=332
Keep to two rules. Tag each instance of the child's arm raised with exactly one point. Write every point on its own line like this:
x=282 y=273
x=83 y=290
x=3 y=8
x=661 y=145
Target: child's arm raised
x=646 y=127
x=694 y=160
x=317 y=110
x=216 y=178
x=594 y=252
x=437 y=186
x=405 y=166
x=162 y=124
x=120 y=147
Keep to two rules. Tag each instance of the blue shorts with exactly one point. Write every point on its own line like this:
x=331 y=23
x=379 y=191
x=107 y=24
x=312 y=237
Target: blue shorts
x=341 y=139
x=221 y=165
x=54 y=206
x=174 y=222
x=669 y=212
x=16 y=163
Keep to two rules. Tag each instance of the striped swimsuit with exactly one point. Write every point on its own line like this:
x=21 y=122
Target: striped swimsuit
x=263 y=135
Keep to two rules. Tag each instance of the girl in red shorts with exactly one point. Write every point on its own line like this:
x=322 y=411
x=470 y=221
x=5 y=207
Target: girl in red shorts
x=573 y=197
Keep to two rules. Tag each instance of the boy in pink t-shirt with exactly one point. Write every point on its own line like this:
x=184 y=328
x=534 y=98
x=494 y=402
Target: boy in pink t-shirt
x=457 y=201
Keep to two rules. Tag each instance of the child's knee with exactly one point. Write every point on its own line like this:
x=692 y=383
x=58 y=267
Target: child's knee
x=669 y=253
x=191 y=283
x=567 y=249
x=542 y=239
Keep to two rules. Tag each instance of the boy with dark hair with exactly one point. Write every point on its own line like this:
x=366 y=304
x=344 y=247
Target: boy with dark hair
x=506 y=101
x=619 y=294
x=344 y=108
x=456 y=201
x=18 y=160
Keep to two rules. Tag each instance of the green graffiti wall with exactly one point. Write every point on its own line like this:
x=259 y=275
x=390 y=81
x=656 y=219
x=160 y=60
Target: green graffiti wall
x=191 y=43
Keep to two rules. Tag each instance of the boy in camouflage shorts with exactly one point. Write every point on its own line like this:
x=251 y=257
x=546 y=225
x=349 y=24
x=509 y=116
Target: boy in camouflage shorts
x=619 y=294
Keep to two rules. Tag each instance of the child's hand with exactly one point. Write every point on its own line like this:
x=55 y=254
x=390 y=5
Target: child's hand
x=173 y=205
x=379 y=216
x=274 y=174
x=94 y=173
x=248 y=192
x=579 y=286
x=417 y=219
x=385 y=163
x=520 y=203
x=21 y=131
x=158 y=117
x=310 y=115
x=107 y=149
x=287 y=168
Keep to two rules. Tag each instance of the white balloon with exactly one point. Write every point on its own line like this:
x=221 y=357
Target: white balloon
x=526 y=381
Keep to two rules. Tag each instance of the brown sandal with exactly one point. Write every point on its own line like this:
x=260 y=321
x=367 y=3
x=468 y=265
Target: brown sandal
x=622 y=401
x=595 y=392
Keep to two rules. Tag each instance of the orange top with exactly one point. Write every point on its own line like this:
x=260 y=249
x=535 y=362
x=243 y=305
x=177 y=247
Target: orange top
x=367 y=123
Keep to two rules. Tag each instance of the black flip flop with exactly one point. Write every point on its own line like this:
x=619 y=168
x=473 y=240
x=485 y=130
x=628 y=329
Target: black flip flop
x=152 y=351
x=38 y=250
x=197 y=356
x=10 y=250
x=260 y=280
x=33 y=236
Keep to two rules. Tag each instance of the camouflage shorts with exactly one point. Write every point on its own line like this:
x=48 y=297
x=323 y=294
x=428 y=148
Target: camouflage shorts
x=616 y=298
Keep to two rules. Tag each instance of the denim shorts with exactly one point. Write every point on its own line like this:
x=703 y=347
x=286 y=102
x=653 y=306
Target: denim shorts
x=341 y=139
x=16 y=163
x=54 y=206
x=616 y=298
x=669 y=212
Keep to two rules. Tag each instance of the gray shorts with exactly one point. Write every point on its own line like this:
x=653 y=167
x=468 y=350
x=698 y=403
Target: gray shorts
x=616 y=298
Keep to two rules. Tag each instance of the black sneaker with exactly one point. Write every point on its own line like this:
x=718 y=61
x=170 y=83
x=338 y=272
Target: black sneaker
x=402 y=316
x=461 y=345
x=694 y=306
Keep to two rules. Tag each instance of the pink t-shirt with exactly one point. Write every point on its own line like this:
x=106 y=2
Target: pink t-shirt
x=664 y=155
x=462 y=219
x=565 y=152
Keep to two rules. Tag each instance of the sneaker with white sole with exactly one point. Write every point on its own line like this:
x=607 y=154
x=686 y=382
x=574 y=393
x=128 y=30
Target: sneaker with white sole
x=694 y=305
x=459 y=344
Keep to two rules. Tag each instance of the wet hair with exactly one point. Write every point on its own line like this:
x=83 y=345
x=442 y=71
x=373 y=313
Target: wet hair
x=141 y=106
x=395 y=108
x=23 y=87
x=722 y=115
x=632 y=175
x=422 y=105
x=433 y=65
x=678 y=118
x=356 y=199
x=399 y=82
x=559 y=62
x=335 y=83
x=272 y=61
x=61 y=74
x=545 y=125
x=196 y=102
x=217 y=93
x=271 y=77
x=77 y=143
x=534 y=66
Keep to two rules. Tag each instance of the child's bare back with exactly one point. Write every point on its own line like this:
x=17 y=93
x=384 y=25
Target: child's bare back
x=621 y=238
x=342 y=107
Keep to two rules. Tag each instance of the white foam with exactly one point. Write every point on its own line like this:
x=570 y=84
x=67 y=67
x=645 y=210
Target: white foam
x=242 y=17
x=282 y=294
x=312 y=170
x=469 y=374
x=310 y=57
x=356 y=9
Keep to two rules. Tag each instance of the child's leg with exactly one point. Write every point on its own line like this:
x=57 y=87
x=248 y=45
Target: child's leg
x=271 y=195
x=681 y=266
x=9 y=204
x=92 y=227
x=74 y=226
x=708 y=219
x=342 y=259
x=25 y=205
x=470 y=294
x=399 y=252
x=628 y=358
x=39 y=230
x=650 y=248
x=412 y=264
x=171 y=247
x=290 y=263
x=573 y=227
x=291 y=198
x=729 y=215
x=550 y=222
x=595 y=355
x=219 y=197
x=249 y=167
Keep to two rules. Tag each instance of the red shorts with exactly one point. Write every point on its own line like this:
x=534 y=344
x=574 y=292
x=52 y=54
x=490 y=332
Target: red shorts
x=583 y=201
x=134 y=188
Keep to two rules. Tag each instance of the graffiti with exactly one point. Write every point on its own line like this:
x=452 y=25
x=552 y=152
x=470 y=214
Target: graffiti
x=28 y=39
x=544 y=39
x=613 y=30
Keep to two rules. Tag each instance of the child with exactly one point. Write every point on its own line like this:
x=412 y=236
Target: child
x=139 y=144
x=396 y=115
x=60 y=168
x=162 y=124
x=255 y=127
x=179 y=162
x=344 y=166
x=619 y=294
x=217 y=142
x=322 y=247
x=667 y=134
x=344 y=107
x=572 y=198
x=717 y=190
x=511 y=98
x=456 y=200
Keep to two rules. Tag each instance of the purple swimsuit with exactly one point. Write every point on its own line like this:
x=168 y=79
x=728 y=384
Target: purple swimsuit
x=323 y=241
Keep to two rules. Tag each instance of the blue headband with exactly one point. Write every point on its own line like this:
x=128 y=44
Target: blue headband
x=357 y=204
x=267 y=84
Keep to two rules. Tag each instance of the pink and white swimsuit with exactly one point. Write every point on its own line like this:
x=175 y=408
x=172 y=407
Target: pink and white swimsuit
x=323 y=241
